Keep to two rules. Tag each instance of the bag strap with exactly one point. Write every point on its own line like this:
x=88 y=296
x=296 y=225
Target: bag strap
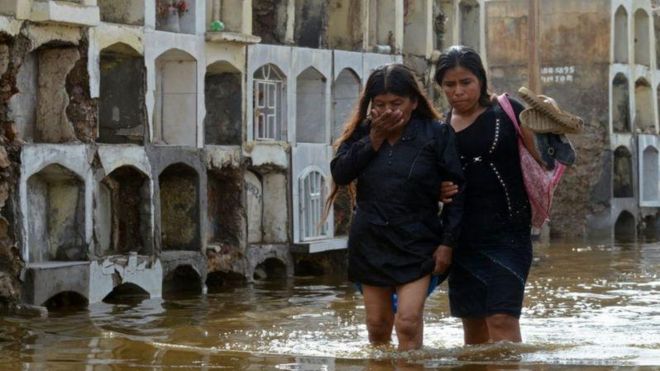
x=504 y=102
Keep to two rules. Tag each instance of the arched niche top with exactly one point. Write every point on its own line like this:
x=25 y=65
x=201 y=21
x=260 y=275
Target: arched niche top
x=348 y=73
x=180 y=168
x=220 y=67
x=620 y=79
x=642 y=82
x=176 y=55
x=269 y=71
x=122 y=49
x=57 y=172
x=128 y=168
x=311 y=73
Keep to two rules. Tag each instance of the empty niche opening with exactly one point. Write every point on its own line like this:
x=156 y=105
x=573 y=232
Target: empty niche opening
x=650 y=180
x=175 y=16
x=642 y=42
x=184 y=279
x=224 y=207
x=56 y=215
x=312 y=195
x=644 y=120
x=344 y=28
x=216 y=281
x=271 y=268
x=65 y=301
x=623 y=173
x=443 y=23
x=175 y=111
x=651 y=228
x=310 y=107
x=620 y=104
x=39 y=107
x=179 y=208
x=309 y=266
x=624 y=228
x=129 y=12
x=469 y=24
x=229 y=12
x=125 y=212
x=126 y=293
x=269 y=19
x=345 y=97
x=254 y=204
x=223 y=92
x=269 y=103
x=414 y=27
x=621 y=36
x=382 y=21
x=122 y=109
x=309 y=23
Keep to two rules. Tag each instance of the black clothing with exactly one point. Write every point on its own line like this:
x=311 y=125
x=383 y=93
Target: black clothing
x=495 y=252
x=495 y=196
x=396 y=228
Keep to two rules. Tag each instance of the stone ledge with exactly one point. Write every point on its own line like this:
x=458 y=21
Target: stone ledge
x=311 y=247
x=65 y=12
x=232 y=37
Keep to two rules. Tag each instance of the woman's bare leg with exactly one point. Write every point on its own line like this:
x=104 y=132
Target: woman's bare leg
x=503 y=327
x=409 y=319
x=475 y=331
x=380 y=317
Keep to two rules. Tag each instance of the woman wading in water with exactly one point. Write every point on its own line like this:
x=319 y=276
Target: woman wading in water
x=395 y=159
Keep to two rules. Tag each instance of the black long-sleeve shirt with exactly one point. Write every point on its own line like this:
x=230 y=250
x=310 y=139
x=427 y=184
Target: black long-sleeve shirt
x=399 y=184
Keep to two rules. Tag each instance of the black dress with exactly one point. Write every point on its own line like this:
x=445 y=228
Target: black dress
x=491 y=266
x=396 y=227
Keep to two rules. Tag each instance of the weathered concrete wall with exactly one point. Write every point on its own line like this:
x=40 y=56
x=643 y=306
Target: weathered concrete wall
x=345 y=24
x=122 y=11
x=574 y=45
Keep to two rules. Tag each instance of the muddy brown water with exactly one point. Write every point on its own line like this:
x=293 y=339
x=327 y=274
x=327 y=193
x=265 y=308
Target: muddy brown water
x=589 y=307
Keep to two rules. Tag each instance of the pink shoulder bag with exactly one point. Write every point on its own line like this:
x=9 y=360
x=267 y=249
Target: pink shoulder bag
x=539 y=182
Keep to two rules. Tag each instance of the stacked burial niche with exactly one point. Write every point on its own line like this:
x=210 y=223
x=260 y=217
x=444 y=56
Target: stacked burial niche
x=269 y=20
x=382 y=21
x=344 y=25
x=469 y=23
x=650 y=176
x=179 y=208
x=309 y=23
x=642 y=38
x=229 y=12
x=621 y=36
x=39 y=107
x=56 y=220
x=620 y=104
x=223 y=91
x=129 y=12
x=175 y=111
x=625 y=227
x=122 y=109
x=345 y=95
x=125 y=209
x=622 y=182
x=415 y=36
x=254 y=206
x=269 y=103
x=310 y=107
x=644 y=113
x=175 y=16
x=225 y=212
x=312 y=193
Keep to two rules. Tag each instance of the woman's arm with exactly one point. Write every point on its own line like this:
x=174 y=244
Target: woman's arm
x=352 y=156
x=451 y=170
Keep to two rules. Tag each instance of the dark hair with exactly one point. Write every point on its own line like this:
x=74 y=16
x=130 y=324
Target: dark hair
x=394 y=78
x=468 y=58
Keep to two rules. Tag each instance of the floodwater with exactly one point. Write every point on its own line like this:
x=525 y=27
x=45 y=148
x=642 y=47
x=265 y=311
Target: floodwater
x=587 y=307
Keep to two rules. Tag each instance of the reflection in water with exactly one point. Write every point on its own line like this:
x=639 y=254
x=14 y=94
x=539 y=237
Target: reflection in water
x=586 y=306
